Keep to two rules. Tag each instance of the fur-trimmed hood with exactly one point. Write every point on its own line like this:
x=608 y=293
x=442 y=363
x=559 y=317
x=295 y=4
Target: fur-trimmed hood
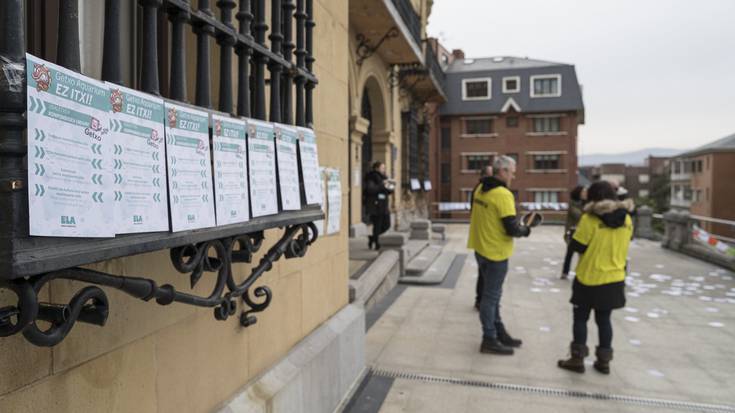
x=612 y=213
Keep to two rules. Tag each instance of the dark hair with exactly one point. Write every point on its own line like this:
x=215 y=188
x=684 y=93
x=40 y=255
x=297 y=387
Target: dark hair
x=376 y=165
x=600 y=191
x=576 y=193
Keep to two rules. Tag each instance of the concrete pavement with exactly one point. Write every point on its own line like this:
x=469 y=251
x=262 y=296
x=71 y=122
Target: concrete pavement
x=674 y=342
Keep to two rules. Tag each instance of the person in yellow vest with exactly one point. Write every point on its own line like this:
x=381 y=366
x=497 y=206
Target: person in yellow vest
x=493 y=224
x=602 y=239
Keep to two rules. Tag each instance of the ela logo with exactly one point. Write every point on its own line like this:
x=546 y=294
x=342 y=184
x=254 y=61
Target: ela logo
x=137 y=219
x=68 y=221
x=191 y=218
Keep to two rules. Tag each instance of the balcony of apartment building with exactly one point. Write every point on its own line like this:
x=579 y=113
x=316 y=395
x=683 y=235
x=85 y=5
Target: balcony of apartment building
x=390 y=28
x=681 y=170
x=681 y=196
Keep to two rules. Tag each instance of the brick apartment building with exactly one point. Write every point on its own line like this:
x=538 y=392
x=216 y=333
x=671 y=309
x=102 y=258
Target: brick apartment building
x=525 y=108
x=702 y=183
x=639 y=180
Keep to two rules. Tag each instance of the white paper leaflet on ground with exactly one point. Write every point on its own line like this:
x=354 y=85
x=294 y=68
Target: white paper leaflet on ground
x=334 y=200
x=138 y=161
x=313 y=181
x=262 y=167
x=230 y=169
x=69 y=144
x=323 y=203
x=288 y=168
x=189 y=168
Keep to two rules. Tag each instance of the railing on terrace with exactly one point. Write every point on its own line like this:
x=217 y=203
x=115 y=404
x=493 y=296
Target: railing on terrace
x=28 y=263
x=432 y=62
x=410 y=18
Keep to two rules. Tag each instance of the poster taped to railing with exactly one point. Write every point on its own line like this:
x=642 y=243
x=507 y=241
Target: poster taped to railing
x=189 y=168
x=230 y=169
x=262 y=167
x=313 y=182
x=69 y=144
x=288 y=168
x=138 y=161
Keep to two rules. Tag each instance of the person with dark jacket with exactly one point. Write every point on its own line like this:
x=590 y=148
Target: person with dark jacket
x=486 y=173
x=493 y=225
x=574 y=213
x=602 y=238
x=377 y=188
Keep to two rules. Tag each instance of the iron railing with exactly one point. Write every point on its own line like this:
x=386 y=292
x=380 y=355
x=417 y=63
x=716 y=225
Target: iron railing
x=28 y=263
x=432 y=63
x=410 y=18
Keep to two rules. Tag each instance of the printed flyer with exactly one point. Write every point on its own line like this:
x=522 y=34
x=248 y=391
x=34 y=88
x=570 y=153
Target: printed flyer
x=189 y=168
x=288 y=168
x=230 y=171
x=138 y=161
x=262 y=167
x=69 y=143
x=313 y=183
x=334 y=200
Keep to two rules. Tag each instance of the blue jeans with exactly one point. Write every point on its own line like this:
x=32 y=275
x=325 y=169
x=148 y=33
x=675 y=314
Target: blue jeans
x=493 y=275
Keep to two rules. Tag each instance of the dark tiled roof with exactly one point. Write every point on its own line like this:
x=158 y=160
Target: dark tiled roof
x=726 y=144
x=495 y=68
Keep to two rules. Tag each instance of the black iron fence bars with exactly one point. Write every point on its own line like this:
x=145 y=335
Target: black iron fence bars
x=28 y=263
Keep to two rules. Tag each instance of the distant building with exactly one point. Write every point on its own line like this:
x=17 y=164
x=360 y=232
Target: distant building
x=638 y=180
x=703 y=182
x=525 y=108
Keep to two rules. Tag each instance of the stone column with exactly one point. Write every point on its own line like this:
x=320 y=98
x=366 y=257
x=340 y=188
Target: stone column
x=358 y=129
x=677 y=230
x=643 y=228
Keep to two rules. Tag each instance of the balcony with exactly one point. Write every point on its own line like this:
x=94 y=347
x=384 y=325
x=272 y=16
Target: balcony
x=426 y=80
x=389 y=28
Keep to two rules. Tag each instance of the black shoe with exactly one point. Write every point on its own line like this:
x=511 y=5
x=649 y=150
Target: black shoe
x=505 y=338
x=371 y=241
x=477 y=305
x=494 y=346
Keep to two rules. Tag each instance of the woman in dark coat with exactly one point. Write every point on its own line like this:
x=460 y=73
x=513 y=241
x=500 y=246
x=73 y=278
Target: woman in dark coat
x=376 y=190
x=602 y=239
x=574 y=213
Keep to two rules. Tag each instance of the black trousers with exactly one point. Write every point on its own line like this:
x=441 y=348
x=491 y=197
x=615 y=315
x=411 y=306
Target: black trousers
x=602 y=319
x=381 y=223
x=568 y=259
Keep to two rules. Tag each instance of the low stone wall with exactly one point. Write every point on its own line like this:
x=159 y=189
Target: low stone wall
x=678 y=237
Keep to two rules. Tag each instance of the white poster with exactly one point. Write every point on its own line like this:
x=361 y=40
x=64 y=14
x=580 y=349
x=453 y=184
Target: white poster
x=189 y=168
x=230 y=171
x=427 y=185
x=415 y=184
x=262 y=167
x=313 y=182
x=334 y=201
x=288 y=167
x=138 y=161
x=69 y=145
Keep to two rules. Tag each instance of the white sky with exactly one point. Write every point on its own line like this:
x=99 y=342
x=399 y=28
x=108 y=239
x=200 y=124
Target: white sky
x=656 y=73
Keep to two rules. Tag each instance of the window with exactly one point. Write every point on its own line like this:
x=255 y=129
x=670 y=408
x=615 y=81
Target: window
x=476 y=89
x=466 y=194
x=643 y=178
x=511 y=84
x=545 y=125
x=643 y=193
x=545 y=196
x=511 y=121
x=477 y=162
x=546 y=162
x=446 y=173
x=677 y=167
x=545 y=86
x=446 y=137
x=478 y=126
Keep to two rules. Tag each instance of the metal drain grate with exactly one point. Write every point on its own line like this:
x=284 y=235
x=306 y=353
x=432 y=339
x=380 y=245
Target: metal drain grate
x=548 y=391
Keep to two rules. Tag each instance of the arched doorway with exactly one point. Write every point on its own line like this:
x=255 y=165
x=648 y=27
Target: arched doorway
x=367 y=139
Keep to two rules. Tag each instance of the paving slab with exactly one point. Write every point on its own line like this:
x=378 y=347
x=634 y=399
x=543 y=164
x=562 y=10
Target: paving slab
x=674 y=341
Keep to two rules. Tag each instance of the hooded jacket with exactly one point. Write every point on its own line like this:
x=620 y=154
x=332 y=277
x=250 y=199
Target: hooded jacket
x=612 y=213
x=512 y=227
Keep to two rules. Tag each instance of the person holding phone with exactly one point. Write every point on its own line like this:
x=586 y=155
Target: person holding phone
x=493 y=225
x=378 y=188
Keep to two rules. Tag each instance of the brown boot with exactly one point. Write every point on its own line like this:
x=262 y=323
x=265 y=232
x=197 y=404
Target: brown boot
x=576 y=362
x=604 y=355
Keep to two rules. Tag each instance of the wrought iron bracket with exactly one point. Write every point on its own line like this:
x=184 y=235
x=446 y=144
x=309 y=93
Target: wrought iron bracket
x=90 y=304
x=365 y=49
